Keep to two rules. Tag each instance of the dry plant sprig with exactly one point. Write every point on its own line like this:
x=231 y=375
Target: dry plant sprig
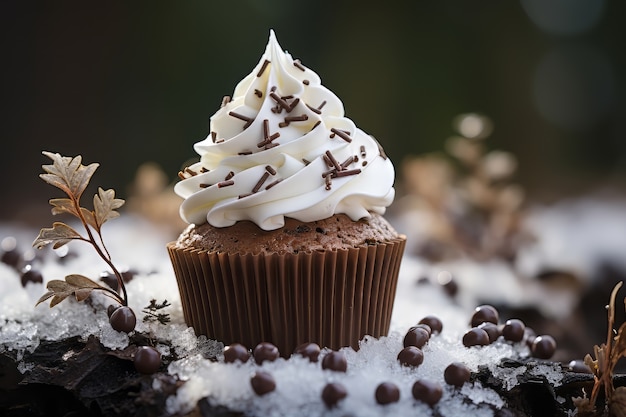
x=606 y=357
x=152 y=312
x=469 y=196
x=70 y=176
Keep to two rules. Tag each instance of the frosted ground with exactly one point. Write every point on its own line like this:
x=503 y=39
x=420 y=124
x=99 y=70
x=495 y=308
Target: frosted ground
x=571 y=236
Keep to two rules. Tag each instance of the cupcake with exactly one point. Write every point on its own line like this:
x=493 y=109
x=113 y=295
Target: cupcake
x=286 y=241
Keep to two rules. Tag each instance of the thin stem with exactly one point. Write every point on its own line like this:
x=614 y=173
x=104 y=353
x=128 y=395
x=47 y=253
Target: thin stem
x=107 y=259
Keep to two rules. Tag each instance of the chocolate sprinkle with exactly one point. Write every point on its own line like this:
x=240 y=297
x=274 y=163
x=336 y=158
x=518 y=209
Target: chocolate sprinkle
x=203 y=170
x=314 y=110
x=328 y=182
x=271 y=184
x=316 y=124
x=271 y=170
x=298 y=65
x=349 y=161
x=213 y=136
x=362 y=149
x=282 y=103
x=332 y=159
x=260 y=182
x=181 y=175
x=225 y=100
x=306 y=161
x=205 y=185
x=258 y=93
x=305 y=82
x=341 y=134
x=245 y=153
x=191 y=172
x=225 y=183
x=229 y=176
x=246 y=119
x=263 y=66
x=290 y=119
x=347 y=173
x=244 y=195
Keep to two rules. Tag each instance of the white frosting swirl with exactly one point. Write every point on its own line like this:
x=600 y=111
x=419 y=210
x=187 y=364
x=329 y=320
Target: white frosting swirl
x=273 y=152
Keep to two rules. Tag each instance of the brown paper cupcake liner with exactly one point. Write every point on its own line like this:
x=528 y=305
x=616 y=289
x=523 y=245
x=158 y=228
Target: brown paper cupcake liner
x=333 y=298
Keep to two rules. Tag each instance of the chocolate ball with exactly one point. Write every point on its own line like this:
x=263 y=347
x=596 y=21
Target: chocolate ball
x=493 y=331
x=416 y=336
x=123 y=319
x=475 y=337
x=335 y=361
x=308 y=350
x=387 y=393
x=428 y=392
x=147 y=360
x=529 y=337
x=262 y=382
x=236 y=352
x=265 y=351
x=425 y=327
x=12 y=258
x=31 y=275
x=456 y=374
x=543 y=347
x=111 y=308
x=484 y=313
x=433 y=322
x=513 y=330
x=411 y=356
x=333 y=393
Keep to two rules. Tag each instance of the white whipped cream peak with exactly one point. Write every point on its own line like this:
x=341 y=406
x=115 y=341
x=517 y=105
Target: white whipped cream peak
x=282 y=147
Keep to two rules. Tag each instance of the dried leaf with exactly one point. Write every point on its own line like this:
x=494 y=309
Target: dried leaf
x=60 y=234
x=89 y=217
x=77 y=285
x=44 y=297
x=63 y=205
x=68 y=174
x=57 y=299
x=81 y=281
x=104 y=204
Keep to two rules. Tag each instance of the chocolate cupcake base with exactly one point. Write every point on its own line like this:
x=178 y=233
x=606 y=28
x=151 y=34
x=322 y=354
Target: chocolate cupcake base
x=330 y=297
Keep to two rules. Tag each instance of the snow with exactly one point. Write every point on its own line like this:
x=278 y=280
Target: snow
x=138 y=245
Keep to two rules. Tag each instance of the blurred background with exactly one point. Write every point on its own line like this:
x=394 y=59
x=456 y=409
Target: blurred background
x=122 y=84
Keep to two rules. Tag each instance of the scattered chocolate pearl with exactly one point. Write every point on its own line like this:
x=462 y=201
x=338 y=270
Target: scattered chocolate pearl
x=484 y=313
x=111 y=308
x=335 y=361
x=123 y=320
x=262 y=382
x=543 y=347
x=493 y=331
x=12 y=258
x=411 y=356
x=236 y=352
x=456 y=374
x=147 y=360
x=333 y=393
x=529 y=337
x=426 y=391
x=579 y=366
x=425 y=327
x=416 y=336
x=311 y=351
x=513 y=330
x=31 y=275
x=433 y=322
x=475 y=337
x=387 y=393
x=265 y=351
